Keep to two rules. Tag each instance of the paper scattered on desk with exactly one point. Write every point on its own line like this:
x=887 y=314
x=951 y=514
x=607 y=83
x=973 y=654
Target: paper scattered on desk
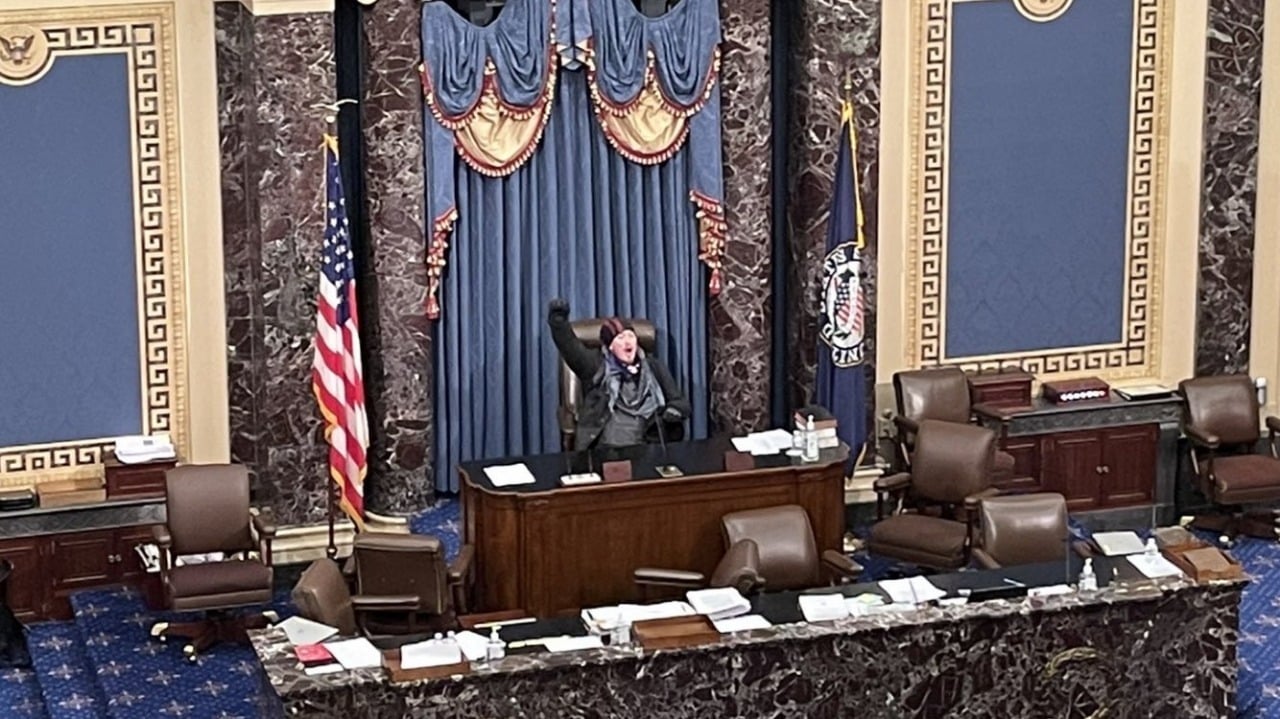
x=1049 y=591
x=606 y=618
x=355 y=653
x=430 y=653
x=823 y=607
x=323 y=669
x=1154 y=566
x=913 y=590
x=572 y=644
x=718 y=602
x=1114 y=544
x=740 y=624
x=301 y=630
x=507 y=475
x=762 y=443
x=473 y=645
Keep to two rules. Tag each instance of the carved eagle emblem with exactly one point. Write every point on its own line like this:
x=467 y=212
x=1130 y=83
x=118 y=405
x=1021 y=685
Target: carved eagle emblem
x=16 y=48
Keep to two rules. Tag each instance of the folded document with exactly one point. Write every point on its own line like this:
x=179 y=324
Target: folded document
x=506 y=475
x=719 y=602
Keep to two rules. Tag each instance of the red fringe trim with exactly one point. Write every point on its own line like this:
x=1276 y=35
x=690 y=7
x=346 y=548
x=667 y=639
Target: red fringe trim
x=712 y=232
x=441 y=227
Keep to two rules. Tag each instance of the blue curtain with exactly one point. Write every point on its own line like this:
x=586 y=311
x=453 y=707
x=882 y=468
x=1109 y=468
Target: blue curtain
x=577 y=221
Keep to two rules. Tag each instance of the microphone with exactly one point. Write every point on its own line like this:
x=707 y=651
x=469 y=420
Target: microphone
x=665 y=469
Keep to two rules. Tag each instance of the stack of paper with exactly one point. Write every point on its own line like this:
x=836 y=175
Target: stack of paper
x=761 y=443
x=718 y=603
x=301 y=630
x=1114 y=544
x=572 y=644
x=740 y=624
x=431 y=653
x=507 y=475
x=607 y=618
x=473 y=645
x=1154 y=566
x=823 y=607
x=355 y=653
x=864 y=604
x=913 y=590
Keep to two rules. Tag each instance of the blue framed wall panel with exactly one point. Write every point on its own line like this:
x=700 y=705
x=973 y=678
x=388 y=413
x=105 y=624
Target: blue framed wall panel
x=93 y=331
x=1038 y=163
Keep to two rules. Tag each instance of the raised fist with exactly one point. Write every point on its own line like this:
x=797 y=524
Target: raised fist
x=558 y=306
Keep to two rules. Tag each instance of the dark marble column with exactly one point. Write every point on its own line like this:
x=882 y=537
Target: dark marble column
x=1233 y=92
x=739 y=317
x=829 y=39
x=400 y=356
x=272 y=69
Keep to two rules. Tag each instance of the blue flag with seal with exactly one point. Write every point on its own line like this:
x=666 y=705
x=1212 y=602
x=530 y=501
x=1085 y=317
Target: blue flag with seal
x=841 y=382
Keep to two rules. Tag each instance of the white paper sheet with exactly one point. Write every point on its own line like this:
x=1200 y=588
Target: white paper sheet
x=355 y=653
x=762 y=443
x=429 y=654
x=1114 y=544
x=740 y=624
x=507 y=475
x=1154 y=566
x=301 y=630
x=606 y=618
x=473 y=645
x=323 y=669
x=823 y=607
x=718 y=602
x=913 y=590
x=572 y=644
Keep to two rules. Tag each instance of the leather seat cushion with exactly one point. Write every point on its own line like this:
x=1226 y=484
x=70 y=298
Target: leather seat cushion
x=231 y=583
x=1002 y=467
x=1246 y=478
x=915 y=538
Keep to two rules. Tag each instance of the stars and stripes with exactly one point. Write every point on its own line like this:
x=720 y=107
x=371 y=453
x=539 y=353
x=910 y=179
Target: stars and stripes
x=336 y=374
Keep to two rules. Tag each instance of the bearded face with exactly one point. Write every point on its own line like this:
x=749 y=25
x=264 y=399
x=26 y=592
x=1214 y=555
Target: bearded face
x=624 y=347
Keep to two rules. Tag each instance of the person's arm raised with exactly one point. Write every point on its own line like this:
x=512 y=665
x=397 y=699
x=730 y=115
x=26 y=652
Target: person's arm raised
x=581 y=360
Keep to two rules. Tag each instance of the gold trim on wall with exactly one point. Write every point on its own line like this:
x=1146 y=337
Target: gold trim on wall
x=145 y=34
x=1138 y=352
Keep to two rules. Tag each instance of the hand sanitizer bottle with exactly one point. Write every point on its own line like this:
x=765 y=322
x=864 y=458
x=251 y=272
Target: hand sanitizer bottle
x=496 y=649
x=1152 y=550
x=810 y=441
x=620 y=635
x=1088 y=580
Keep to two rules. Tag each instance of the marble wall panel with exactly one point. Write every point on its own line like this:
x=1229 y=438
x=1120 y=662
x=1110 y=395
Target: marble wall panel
x=272 y=70
x=400 y=355
x=830 y=40
x=1233 y=92
x=739 y=318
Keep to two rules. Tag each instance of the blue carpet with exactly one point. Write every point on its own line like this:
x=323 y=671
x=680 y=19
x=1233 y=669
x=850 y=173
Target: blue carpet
x=105 y=664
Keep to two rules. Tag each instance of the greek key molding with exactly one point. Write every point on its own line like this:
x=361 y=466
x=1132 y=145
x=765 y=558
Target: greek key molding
x=1137 y=354
x=145 y=35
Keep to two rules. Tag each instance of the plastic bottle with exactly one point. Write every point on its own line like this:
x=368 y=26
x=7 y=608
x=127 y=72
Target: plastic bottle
x=1088 y=580
x=810 y=441
x=1152 y=550
x=496 y=649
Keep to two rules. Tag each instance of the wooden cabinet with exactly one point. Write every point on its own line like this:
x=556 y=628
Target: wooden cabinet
x=1026 y=465
x=1098 y=468
x=48 y=569
x=135 y=480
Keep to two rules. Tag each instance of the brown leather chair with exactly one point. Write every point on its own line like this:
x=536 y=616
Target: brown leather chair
x=1220 y=420
x=772 y=548
x=942 y=394
x=1021 y=529
x=404 y=586
x=322 y=595
x=588 y=331
x=208 y=512
x=932 y=506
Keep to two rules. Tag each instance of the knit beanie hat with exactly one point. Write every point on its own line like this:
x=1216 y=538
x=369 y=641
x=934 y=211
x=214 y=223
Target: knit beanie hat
x=611 y=328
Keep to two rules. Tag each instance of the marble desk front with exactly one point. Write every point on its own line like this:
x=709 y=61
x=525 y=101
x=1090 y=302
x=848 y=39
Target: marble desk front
x=1127 y=650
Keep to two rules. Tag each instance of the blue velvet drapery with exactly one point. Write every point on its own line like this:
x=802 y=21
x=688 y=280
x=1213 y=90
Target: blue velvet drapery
x=573 y=219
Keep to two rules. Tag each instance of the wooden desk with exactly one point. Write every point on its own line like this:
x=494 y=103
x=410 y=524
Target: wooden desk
x=544 y=548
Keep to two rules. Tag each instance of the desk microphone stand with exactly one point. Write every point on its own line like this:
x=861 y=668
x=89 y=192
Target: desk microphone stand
x=665 y=469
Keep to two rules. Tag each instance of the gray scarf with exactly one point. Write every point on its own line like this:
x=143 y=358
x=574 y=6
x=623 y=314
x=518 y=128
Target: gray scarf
x=644 y=403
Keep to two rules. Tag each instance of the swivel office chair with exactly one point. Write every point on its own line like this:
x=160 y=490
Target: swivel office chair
x=1022 y=529
x=940 y=393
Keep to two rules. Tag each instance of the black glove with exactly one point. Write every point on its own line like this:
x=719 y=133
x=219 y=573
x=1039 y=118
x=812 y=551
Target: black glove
x=671 y=414
x=558 y=306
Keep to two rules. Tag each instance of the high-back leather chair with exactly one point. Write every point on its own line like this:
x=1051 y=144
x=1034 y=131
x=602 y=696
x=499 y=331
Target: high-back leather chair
x=1220 y=420
x=404 y=585
x=942 y=394
x=207 y=512
x=588 y=331
x=1021 y=529
x=771 y=547
x=925 y=515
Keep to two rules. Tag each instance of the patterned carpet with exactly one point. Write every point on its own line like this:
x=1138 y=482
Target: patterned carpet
x=105 y=664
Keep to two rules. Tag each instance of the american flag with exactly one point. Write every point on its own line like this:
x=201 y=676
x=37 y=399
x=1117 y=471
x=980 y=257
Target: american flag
x=336 y=375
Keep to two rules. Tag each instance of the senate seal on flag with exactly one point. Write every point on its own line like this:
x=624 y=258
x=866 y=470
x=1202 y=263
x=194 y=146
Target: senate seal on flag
x=841 y=325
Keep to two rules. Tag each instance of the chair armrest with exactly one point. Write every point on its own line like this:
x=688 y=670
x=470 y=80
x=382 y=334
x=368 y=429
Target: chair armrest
x=840 y=566
x=669 y=578
x=905 y=425
x=160 y=533
x=984 y=560
x=385 y=602
x=973 y=501
x=999 y=414
x=1273 y=424
x=892 y=483
x=739 y=568
x=1200 y=437
x=460 y=567
x=265 y=523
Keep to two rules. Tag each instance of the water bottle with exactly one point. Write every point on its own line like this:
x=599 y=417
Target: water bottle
x=1088 y=580
x=810 y=441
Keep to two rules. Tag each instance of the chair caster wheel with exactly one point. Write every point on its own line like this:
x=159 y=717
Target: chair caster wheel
x=190 y=653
